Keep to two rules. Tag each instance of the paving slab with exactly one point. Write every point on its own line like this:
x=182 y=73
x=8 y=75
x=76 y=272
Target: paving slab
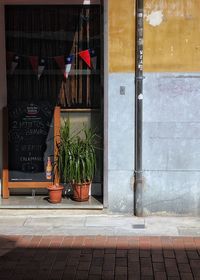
x=41 y=202
x=33 y=223
x=56 y=222
x=185 y=231
x=6 y=221
x=114 y=221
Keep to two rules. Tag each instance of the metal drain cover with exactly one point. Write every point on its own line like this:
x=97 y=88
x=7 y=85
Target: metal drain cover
x=139 y=226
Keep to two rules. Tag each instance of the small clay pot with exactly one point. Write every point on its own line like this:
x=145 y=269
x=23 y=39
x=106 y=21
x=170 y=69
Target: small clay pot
x=55 y=193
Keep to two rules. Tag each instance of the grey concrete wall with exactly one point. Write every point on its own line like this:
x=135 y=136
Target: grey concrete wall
x=120 y=142
x=171 y=154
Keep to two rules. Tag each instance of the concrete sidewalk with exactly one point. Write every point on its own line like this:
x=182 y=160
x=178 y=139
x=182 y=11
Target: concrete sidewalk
x=92 y=245
x=84 y=223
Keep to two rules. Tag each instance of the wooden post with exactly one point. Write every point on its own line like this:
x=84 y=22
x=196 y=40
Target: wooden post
x=56 y=141
x=88 y=98
x=74 y=91
x=80 y=41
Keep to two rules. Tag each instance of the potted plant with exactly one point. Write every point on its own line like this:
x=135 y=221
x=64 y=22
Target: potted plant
x=76 y=160
x=55 y=193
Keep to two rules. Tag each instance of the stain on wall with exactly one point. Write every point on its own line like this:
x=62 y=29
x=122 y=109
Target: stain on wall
x=171 y=36
x=155 y=18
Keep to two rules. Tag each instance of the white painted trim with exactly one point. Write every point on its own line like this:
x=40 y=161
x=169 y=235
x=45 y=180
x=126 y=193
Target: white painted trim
x=105 y=189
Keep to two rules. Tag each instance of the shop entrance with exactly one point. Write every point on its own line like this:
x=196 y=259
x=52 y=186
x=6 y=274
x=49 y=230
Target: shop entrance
x=54 y=60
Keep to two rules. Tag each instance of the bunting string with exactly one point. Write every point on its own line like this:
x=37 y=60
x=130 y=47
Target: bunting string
x=64 y=62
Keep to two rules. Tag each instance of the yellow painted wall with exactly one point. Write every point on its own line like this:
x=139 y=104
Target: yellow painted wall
x=121 y=35
x=171 y=35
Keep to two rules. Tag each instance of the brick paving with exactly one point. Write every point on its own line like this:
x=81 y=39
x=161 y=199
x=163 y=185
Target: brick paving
x=99 y=257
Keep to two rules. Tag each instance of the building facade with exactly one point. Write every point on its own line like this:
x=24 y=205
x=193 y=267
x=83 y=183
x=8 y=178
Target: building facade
x=171 y=98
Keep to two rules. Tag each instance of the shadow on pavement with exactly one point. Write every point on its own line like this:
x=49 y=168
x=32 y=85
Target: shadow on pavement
x=99 y=257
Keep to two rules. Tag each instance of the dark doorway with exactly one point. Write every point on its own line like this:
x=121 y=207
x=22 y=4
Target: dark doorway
x=40 y=40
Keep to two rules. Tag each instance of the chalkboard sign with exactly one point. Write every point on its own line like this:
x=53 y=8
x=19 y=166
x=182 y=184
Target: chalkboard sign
x=31 y=140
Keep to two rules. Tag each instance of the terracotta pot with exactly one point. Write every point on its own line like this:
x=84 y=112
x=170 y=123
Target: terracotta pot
x=55 y=193
x=81 y=191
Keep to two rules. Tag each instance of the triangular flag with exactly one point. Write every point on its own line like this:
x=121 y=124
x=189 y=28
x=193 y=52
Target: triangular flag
x=68 y=65
x=85 y=55
x=34 y=63
x=14 y=64
x=93 y=58
x=60 y=61
x=41 y=67
x=9 y=58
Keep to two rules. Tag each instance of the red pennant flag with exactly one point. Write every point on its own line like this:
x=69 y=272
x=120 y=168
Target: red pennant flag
x=85 y=55
x=60 y=61
x=34 y=63
x=9 y=59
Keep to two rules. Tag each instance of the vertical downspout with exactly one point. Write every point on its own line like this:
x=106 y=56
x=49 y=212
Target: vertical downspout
x=138 y=188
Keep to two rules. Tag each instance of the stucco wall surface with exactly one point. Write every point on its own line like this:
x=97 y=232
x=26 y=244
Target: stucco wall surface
x=171 y=35
x=121 y=35
x=120 y=142
x=171 y=132
x=171 y=143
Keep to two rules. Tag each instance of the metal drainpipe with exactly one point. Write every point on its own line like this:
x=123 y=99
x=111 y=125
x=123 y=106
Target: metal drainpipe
x=138 y=188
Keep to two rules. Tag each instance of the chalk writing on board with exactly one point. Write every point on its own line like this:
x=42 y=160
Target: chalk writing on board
x=31 y=140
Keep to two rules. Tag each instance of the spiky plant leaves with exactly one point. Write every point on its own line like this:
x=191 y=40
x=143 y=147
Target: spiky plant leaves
x=77 y=157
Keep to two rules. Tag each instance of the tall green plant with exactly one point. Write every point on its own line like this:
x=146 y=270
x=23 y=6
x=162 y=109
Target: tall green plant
x=76 y=157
